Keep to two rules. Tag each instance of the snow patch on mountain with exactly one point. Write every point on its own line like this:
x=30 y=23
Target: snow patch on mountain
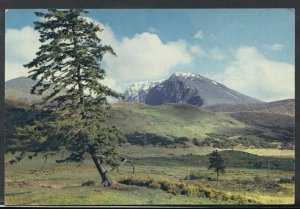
x=231 y=94
x=186 y=88
x=136 y=91
x=214 y=82
x=187 y=75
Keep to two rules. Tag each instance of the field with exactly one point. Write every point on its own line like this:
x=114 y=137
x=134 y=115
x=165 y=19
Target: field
x=259 y=160
x=33 y=182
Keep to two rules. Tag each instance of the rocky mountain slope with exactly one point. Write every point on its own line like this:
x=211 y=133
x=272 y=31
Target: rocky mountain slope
x=188 y=88
x=137 y=91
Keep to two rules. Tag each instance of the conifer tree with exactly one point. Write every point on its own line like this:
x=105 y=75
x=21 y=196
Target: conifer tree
x=216 y=162
x=68 y=72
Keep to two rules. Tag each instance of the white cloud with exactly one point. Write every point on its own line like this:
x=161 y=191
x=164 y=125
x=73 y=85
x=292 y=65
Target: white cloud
x=152 y=30
x=196 y=50
x=20 y=48
x=111 y=83
x=21 y=45
x=14 y=70
x=216 y=53
x=199 y=35
x=141 y=57
x=274 y=47
x=146 y=57
x=254 y=75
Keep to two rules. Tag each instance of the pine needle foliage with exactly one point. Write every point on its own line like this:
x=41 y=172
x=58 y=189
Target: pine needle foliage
x=216 y=163
x=69 y=74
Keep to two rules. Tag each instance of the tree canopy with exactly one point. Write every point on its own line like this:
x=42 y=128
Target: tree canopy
x=69 y=74
x=216 y=163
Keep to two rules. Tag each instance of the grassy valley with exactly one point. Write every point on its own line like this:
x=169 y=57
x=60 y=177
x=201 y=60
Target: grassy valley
x=33 y=182
x=169 y=145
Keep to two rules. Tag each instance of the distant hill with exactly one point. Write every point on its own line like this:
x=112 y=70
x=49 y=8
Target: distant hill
x=18 y=89
x=187 y=88
x=248 y=124
x=170 y=120
x=182 y=88
x=201 y=127
x=221 y=129
x=281 y=107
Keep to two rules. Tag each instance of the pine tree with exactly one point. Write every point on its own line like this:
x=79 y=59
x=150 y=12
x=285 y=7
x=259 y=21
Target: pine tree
x=216 y=162
x=68 y=72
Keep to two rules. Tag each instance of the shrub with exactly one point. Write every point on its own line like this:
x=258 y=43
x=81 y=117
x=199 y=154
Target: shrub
x=195 y=176
x=258 y=179
x=196 y=142
x=181 y=140
x=189 y=190
x=208 y=193
x=273 y=185
x=225 y=196
x=153 y=184
x=258 y=164
x=209 y=179
x=143 y=139
x=88 y=183
x=286 y=181
x=170 y=187
x=197 y=190
x=164 y=185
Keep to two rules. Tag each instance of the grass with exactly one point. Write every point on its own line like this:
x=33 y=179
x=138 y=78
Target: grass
x=231 y=159
x=71 y=178
x=97 y=195
x=177 y=120
x=152 y=151
x=31 y=182
x=188 y=189
x=271 y=152
x=172 y=119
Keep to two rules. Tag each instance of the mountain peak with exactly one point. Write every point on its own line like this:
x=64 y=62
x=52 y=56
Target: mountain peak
x=136 y=91
x=186 y=88
x=186 y=75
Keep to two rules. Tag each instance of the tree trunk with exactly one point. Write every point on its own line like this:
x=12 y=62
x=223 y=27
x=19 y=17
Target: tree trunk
x=99 y=163
x=217 y=175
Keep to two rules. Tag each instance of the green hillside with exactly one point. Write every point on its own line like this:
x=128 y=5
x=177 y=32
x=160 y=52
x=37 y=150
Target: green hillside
x=178 y=125
x=286 y=107
x=171 y=120
x=261 y=178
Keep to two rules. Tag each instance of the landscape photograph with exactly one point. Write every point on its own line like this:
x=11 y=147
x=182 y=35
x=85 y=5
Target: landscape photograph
x=141 y=107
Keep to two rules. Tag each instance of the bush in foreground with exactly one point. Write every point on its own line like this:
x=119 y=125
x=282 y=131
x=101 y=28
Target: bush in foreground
x=196 y=190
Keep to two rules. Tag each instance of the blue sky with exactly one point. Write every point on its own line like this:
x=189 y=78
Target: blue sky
x=249 y=50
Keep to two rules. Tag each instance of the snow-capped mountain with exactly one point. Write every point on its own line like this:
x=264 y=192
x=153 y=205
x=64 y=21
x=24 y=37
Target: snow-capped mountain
x=137 y=91
x=186 y=88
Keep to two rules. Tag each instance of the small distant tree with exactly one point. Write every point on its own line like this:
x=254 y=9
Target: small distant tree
x=68 y=74
x=216 y=163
